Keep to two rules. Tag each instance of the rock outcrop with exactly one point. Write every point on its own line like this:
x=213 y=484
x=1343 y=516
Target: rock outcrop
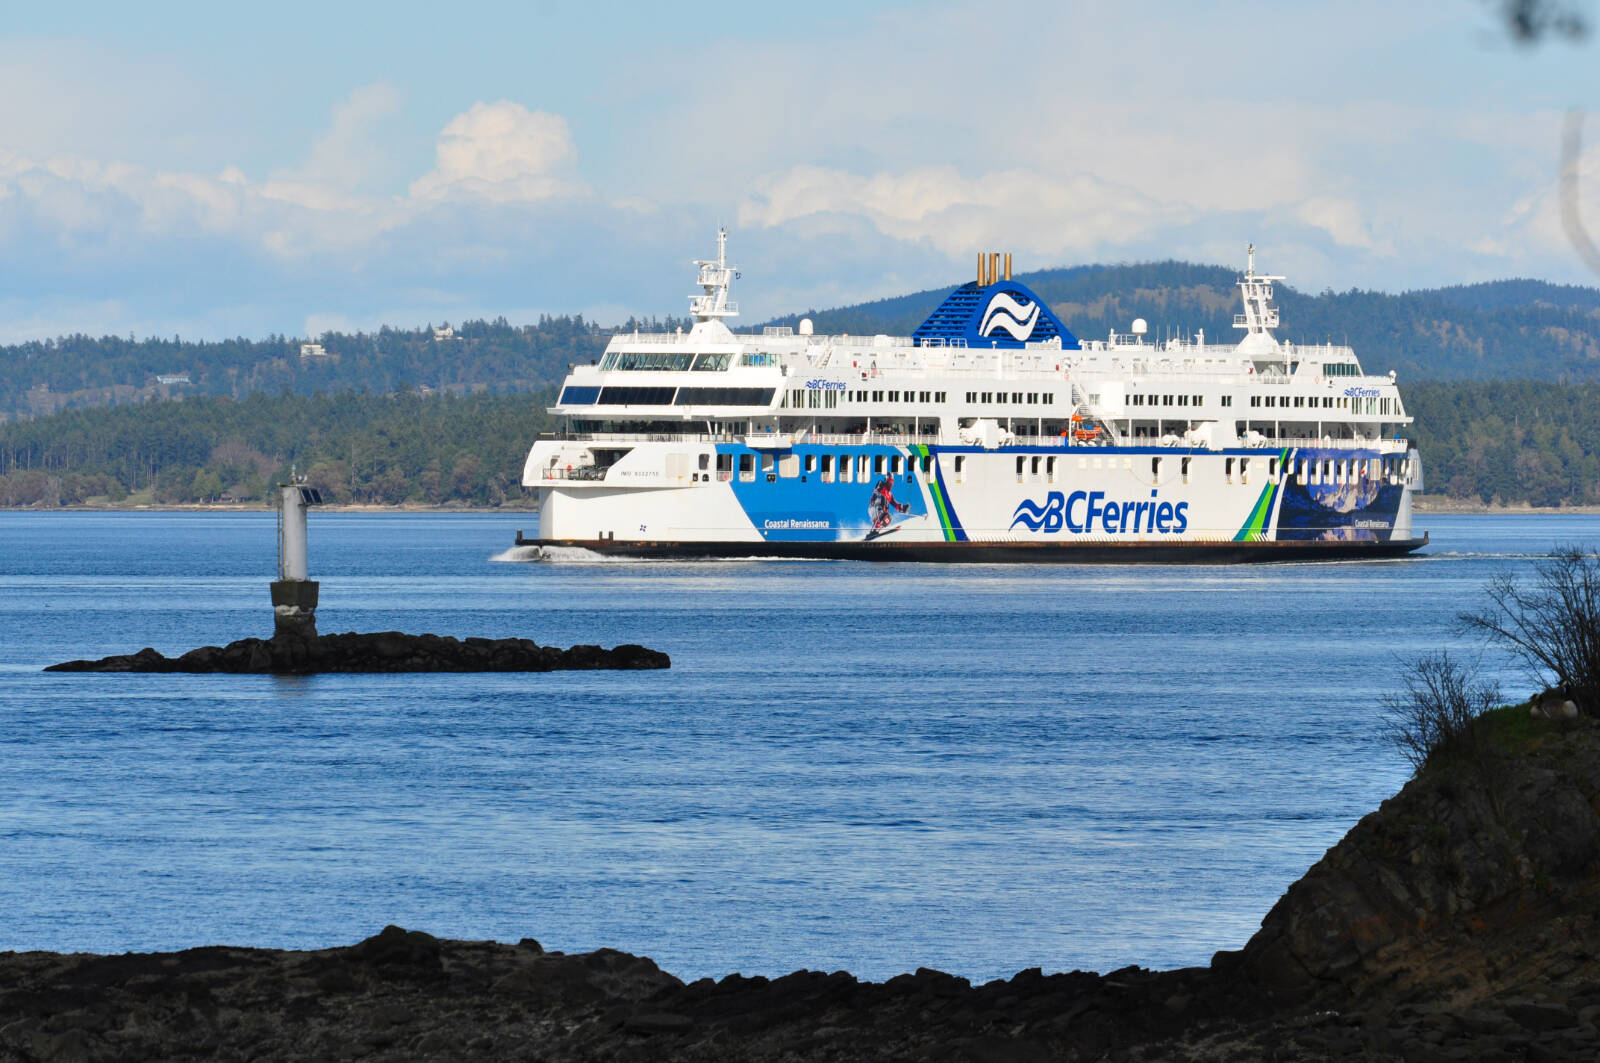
x=384 y=651
x=1460 y=921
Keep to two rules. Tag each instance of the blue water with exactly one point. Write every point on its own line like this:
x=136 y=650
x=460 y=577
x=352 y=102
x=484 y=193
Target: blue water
x=977 y=768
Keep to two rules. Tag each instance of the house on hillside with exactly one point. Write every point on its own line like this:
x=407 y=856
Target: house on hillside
x=312 y=350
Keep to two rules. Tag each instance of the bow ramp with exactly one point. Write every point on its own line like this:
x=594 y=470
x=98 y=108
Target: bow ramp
x=1003 y=314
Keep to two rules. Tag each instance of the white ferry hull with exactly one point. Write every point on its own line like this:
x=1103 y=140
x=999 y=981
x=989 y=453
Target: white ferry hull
x=1011 y=503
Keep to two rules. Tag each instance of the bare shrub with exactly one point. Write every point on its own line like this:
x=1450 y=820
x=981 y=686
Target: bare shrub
x=1551 y=622
x=1442 y=698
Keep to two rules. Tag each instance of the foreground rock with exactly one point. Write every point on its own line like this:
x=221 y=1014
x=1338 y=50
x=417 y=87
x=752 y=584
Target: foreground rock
x=384 y=651
x=1457 y=922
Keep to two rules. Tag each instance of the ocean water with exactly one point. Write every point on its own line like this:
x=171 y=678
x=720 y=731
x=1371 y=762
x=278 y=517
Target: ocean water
x=869 y=767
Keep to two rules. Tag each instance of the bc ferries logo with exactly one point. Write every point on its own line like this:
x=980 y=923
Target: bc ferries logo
x=1088 y=512
x=1006 y=312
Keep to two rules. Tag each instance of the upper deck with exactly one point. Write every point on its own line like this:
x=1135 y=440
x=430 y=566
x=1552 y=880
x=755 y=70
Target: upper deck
x=960 y=374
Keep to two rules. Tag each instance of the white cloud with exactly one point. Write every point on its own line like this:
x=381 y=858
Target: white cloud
x=502 y=152
x=1343 y=220
x=349 y=153
x=960 y=215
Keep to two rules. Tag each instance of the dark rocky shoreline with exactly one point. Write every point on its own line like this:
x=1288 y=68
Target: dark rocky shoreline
x=383 y=651
x=1459 y=921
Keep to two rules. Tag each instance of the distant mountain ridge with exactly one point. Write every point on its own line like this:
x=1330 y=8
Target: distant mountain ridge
x=1508 y=329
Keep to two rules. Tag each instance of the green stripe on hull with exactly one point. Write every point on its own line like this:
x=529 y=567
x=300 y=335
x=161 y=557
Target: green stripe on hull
x=921 y=450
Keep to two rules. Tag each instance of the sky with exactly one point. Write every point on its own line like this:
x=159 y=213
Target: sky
x=210 y=170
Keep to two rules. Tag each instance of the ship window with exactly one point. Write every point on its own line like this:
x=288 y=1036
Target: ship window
x=712 y=396
x=830 y=399
x=1035 y=467
x=1020 y=462
x=705 y=462
x=988 y=396
x=1083 y=463
x=789 y=466
x=1272 y=469
x=811 y=463
x=1183 y=469
x=1227 y=400
x=1098 y=462
x=1155 y=470
x=759 y=358
x=1033 y=397
x=1050 y=469
x=747 y=467
x=711 y=363
x=972 y=396
x=575 y=396
x=961 y=468
x=1183 y=400
x=844 y=469
x=827 y=468
x=1194 y=400
x=1166 y=400
x=1244 y=470
x=1049 y=397
x=938 y=396
x=878 y=463
x=620 y=396
x=1227 y=471
x=1137 y=400
x=877 y=396
x=999 y=398
x=895 y=465
x=1016 y=396
x=894 y=396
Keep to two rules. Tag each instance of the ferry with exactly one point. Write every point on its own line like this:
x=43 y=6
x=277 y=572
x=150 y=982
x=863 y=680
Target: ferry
x=991 y=433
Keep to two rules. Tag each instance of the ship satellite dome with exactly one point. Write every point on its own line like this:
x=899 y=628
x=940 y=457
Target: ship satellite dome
x=805 y=326
x=1139 y=326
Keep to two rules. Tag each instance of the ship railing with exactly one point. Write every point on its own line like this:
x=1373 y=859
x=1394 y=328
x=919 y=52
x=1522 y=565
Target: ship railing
x=1395 y=445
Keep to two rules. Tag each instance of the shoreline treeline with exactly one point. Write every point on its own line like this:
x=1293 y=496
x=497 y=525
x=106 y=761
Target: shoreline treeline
x=1509 y=442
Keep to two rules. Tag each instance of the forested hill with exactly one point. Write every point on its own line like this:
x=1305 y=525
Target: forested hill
x=1503 y=330
x=1500 y=330
x=83 y=371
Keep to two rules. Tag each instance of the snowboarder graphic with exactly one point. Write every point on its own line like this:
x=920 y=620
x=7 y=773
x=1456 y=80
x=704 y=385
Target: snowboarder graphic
x=883 y=507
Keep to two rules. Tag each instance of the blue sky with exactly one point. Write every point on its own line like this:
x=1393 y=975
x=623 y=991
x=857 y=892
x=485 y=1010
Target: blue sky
x=213 y=170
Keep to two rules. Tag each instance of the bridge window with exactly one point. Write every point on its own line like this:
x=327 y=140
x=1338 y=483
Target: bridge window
x=711 y=363
x=575 y=396
x=620 y=396
x=710 y=396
